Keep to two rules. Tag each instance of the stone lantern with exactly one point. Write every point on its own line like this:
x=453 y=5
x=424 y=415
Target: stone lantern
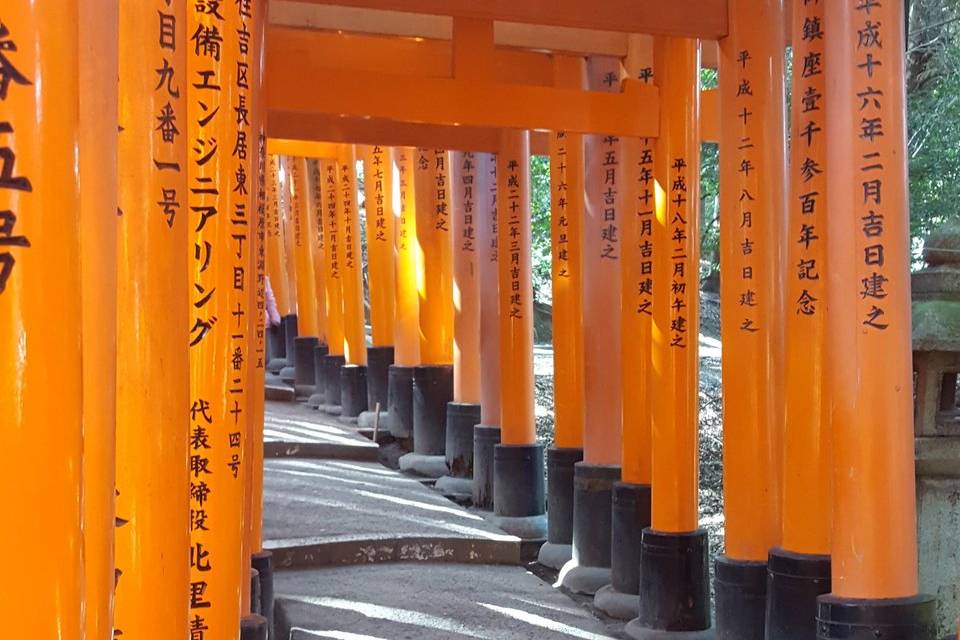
x=936 y=366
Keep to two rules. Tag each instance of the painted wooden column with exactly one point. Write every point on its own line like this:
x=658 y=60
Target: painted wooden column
x=98 y=240
x=874 y=544
x=406 y=339
x=518 y=500
x=433 y=378
x=221 y=210
x=468 y=180
x=753 y=208
x=277 y=266
x=486 y=435
x=378 y=184
x=631 y=496
x=673 y=545
x=318 y=196
x=799 y=569
x=353 y=377
x=333 y=257
x=308 y=313
x=153 y=512
x=601 y=243
x=567 y=201
x=40 y=311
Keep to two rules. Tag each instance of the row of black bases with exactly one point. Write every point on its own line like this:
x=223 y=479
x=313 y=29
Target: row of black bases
x=598 y=534
x=258 y=624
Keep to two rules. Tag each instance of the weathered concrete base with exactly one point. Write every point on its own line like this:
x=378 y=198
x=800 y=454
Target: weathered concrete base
x=279 y=392
x=459 y=489
x=331 y=409
x=622 y=606
x=555 y=555
x=253 y=627
x=526 y=528
x=367 y=420
x=288 y=375
x=426 y=466
x=637 y=631
x=583 y=579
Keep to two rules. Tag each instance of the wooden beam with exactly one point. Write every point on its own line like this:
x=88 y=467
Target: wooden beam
x=307 y=133
x=307 y=87
x=690 y=18
x=301 y=148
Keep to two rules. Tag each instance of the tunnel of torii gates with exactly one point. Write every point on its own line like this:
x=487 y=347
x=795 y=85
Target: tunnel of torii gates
x=143 y=220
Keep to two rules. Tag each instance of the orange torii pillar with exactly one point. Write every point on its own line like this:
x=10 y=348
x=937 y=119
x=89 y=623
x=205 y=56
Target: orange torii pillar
x=353 y=375
x=221 y=208
x=674 y=587
x=486 y=435
x=567 y=201
x=153 y=388
x=291 y=322
x=518 y=486
x=276 y=268
x=433 y=378
x=799 y=569
x=258 y=616
x=406 y=338
x=308 y=314
x=632 y=495
x=589 y=569
x=753 y=210
x=318 y=210
x=98 y=242
x=874 y=543
x=333 y=263
x=470 y=174
x=40 y=310
x=378 y=184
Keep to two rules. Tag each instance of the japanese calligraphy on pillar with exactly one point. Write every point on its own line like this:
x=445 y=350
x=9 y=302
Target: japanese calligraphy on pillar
x=349 y=200
x=680 y=211
x=442 y=217
x=260 y=259
x=403 y=232
x=468 y=176
x=809 y=153
x=558 y=182
x=748 y=181
x=870 y=102
x=493 y=248
x=645 y=204
x=609 y=234
x=379 y=207
x=333 y=261
x=514 y=210
x=9 y=181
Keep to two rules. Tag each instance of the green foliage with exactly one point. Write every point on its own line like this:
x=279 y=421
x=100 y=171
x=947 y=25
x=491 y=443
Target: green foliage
x=540 y=222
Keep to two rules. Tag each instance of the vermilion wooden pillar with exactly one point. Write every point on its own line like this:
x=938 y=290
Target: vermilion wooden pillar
x=874 y=544
x=40 y=312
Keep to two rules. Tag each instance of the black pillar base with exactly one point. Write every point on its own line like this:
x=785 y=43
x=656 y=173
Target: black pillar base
x=794 y=582
x=895 y=619
x=289 y=325
x=305 y=377
x=379 y=360
x=674 y=587
x=592 y=528
x=331 y=384
x=255 y=595
x=485 y=439
x=741 y=597
x=262 y=561
x=432 y=390
x=353 y=390
x=400 y=402
x=462 y=417
x=558 y=550
x=519 y=504
x=318 y=399
x=253 y=627
x=276 y=349
x=631 y=515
